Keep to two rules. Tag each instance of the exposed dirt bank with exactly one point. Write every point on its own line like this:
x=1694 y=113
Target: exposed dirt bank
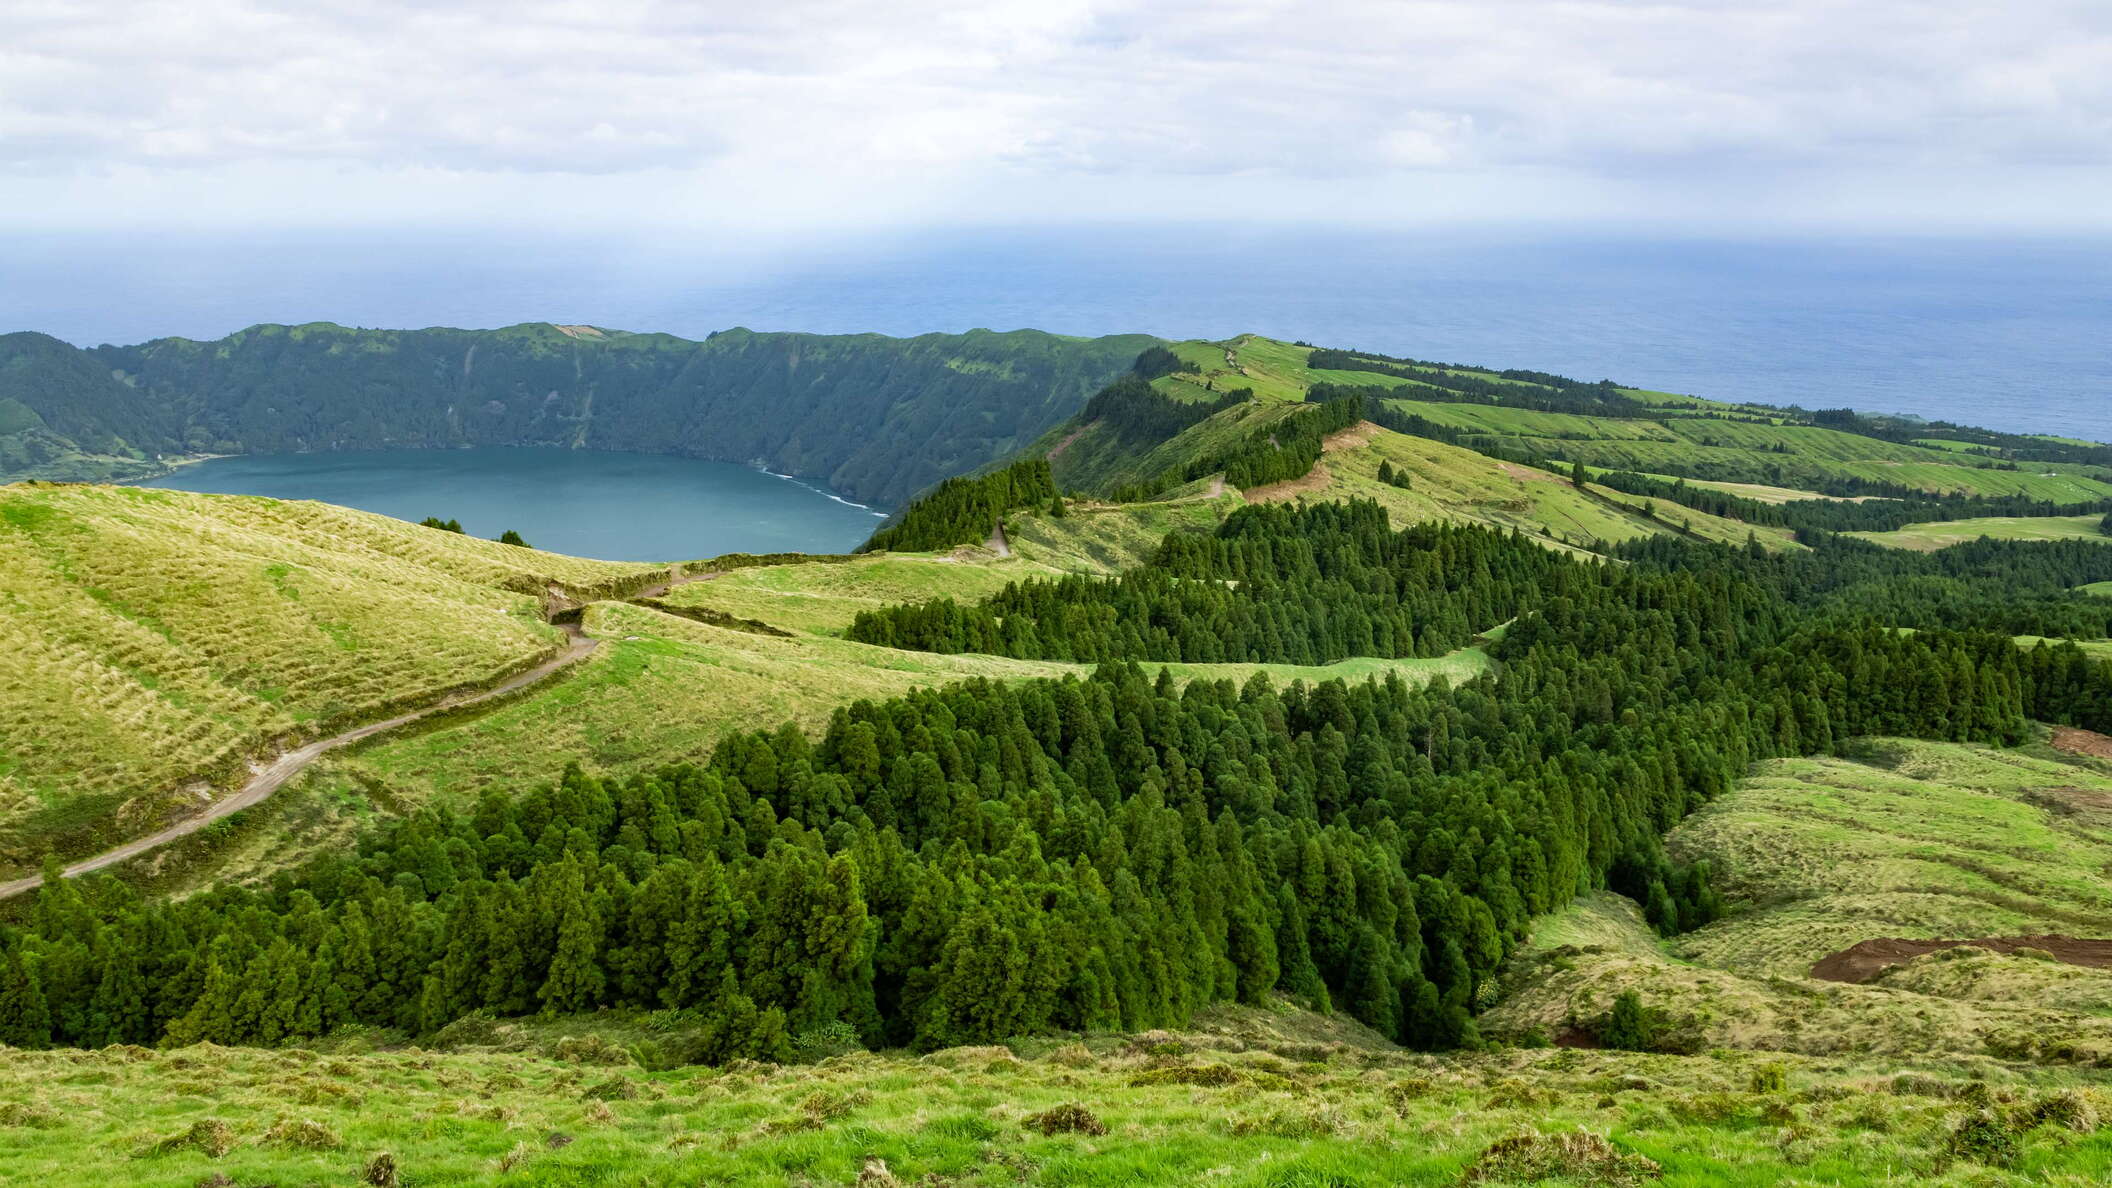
x=1864 y=960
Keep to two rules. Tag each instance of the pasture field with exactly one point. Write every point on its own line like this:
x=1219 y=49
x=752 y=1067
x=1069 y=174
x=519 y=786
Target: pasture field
x=1927 y=538
x=1446 y=482
x=1906 y=839
x=152 y=641
x=822 y=599
x=1251 y=1097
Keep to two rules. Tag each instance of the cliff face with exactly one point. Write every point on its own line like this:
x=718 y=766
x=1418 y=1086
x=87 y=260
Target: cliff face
x=876 y=417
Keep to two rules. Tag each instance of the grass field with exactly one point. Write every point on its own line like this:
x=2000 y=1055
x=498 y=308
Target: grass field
x=1458 y=485
x=1250 y=1098
x=1769 y=455
x=824 y=598
x=152 y=640
x=1927 y=538
x=2099 y=589
x=1112 y=537
x=1910 y=839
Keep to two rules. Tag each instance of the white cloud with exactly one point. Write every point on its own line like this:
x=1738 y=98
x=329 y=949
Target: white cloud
x=804 y=108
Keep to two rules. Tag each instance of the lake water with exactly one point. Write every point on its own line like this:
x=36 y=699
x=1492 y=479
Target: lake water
x=2013 y=334
x=589 y=503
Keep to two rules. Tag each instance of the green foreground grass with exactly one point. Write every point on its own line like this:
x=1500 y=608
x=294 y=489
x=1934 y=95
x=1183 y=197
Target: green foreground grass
x=1268 y=1099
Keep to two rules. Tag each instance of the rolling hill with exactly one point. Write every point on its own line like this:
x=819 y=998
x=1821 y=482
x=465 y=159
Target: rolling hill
x=155 y=641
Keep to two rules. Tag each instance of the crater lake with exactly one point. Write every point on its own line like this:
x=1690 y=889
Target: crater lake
x=589 y=503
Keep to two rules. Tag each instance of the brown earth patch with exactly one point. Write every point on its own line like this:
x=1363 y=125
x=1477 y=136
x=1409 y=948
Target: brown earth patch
x=1350 y=438
x=1065 y=444
x=2082 y=742
x=1864 y=960
x=1313 y=480
x=2069 y=800
x=1526 y=474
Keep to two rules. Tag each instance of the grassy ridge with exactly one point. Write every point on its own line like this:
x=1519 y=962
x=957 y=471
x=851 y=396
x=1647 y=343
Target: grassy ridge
x=1911 y=839
x=153 y=638
x=1927 y=538
x=1457 y=485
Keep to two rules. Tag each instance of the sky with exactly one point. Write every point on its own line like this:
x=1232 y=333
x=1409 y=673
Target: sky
x=792 y=116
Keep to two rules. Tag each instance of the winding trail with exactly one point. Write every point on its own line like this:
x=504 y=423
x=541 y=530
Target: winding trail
x=274 y=775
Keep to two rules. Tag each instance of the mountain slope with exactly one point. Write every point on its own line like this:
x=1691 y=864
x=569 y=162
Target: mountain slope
x=876 y=417
x=151 y=640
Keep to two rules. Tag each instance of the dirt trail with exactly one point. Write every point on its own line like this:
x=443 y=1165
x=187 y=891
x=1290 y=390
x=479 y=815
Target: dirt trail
x=997 y=542
x=1864 y=960
x=274 y=775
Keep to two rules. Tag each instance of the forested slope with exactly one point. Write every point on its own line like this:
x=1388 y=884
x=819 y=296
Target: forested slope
x=875 y=417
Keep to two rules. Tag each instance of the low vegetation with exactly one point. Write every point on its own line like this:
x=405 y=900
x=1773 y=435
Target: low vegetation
x=1260 y=1099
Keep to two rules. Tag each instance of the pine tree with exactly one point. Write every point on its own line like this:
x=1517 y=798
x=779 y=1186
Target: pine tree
x=25 y=1017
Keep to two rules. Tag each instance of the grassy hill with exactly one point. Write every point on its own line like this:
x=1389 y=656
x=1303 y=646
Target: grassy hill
x=1930 y=537
x=1907 y=839
x=151 y=641
x=1446 y=482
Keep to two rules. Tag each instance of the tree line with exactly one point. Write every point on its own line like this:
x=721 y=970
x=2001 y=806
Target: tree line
x=965 y=510
x=1275 y=583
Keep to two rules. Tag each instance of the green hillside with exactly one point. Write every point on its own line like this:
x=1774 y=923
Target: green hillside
x=1907 y=840
x=1929 y=537
x=875 y=417
x=154 y=640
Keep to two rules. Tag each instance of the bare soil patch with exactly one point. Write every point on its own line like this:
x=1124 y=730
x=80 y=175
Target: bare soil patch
x=1348 y=439
x=2082 y=742
x=1313 y=480
x=1065 y=444
x=1864 y=960
x=1526 y=474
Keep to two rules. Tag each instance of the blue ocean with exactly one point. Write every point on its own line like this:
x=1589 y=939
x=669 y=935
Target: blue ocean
x=2013 y=334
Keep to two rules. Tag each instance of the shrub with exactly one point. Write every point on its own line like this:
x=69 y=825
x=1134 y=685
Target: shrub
x=1068 y=1118
x=1627 y=1027
x=305 y=1134
x=1984 y=1136
x=1578 y=1157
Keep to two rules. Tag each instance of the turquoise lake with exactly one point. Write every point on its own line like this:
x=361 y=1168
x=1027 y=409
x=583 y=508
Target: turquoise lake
x=589 y=503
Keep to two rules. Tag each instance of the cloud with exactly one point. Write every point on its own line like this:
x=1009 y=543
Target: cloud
x=921 y=97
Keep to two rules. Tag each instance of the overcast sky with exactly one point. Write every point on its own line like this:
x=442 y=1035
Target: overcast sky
x=795 y=114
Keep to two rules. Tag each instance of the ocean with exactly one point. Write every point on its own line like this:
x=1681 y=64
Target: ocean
x=2010 y=334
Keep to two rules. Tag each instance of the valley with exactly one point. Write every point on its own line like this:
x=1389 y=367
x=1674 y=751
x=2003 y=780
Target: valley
x=1253 y=762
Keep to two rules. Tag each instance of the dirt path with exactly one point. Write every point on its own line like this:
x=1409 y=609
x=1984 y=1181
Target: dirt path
x=1864 y=960
x=274 y=776
x=997 y=542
